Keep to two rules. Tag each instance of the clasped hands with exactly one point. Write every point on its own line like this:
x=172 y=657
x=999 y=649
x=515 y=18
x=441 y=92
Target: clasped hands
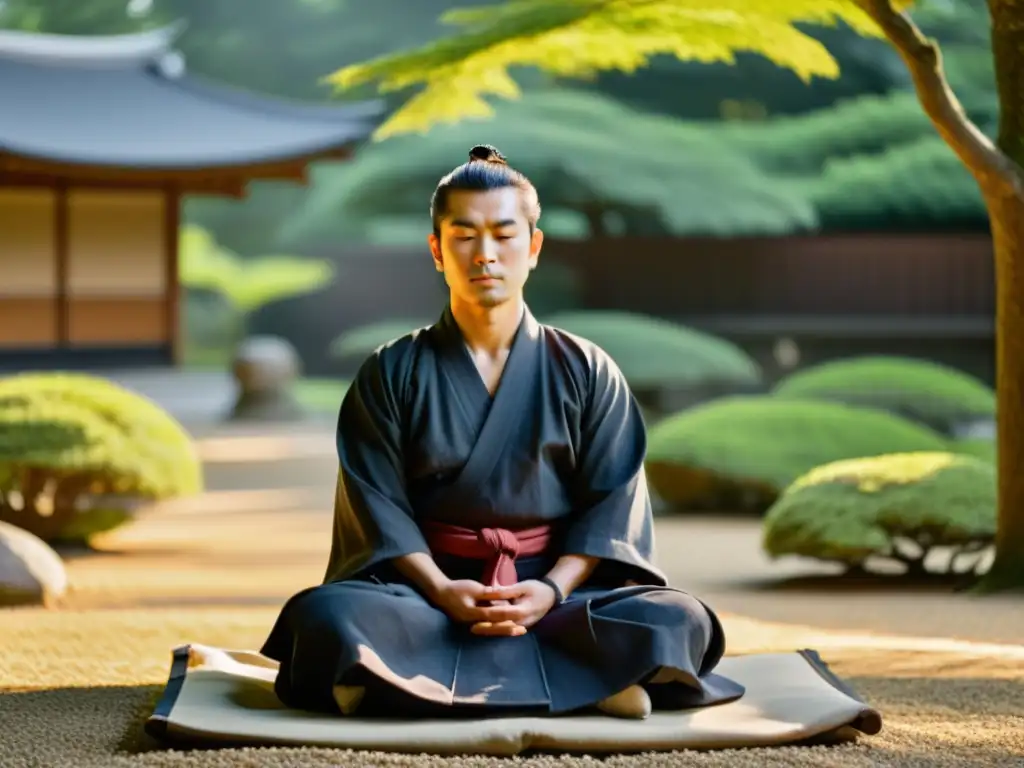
x=499 y=611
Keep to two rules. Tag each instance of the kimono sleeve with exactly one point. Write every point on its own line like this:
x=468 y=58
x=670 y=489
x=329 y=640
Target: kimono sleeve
x=613 y=519
x=373 y=518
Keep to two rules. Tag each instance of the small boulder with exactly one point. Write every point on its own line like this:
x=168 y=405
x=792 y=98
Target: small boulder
x=265 y=369
x=31 y=573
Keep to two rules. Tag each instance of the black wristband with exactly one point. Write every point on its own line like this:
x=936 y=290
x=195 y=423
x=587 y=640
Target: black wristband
x=559 y=597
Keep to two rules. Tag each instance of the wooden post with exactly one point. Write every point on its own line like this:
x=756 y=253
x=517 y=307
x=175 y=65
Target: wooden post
x=62 y=246
x=172 y=222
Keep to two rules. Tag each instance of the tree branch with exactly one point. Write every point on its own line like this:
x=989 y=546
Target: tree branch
x=990 y=166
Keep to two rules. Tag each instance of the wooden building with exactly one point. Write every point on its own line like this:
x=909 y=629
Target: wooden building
x=99 y=139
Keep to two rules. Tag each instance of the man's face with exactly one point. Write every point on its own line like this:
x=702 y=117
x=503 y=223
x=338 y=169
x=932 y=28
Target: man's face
x=486 y=249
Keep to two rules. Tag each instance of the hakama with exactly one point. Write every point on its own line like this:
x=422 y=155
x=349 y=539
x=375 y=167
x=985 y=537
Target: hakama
x=561 y=444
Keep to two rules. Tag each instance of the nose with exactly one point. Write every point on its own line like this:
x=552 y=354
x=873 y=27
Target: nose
x=487 y=250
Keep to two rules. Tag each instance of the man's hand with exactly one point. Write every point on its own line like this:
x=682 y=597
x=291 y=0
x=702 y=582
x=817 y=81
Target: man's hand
x=519 y=607
x=461 y=599
x=468 y=601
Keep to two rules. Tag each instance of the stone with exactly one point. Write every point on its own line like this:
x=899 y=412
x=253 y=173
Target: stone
x=266 y=369
x=31 y=572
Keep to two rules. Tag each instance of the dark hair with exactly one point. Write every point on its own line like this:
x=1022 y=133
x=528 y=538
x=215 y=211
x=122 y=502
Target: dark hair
x=486 y=169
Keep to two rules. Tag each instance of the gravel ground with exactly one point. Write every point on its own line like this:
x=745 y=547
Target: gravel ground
x=76 y=682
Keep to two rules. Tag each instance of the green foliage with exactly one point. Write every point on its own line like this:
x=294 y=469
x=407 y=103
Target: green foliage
x=857 y=510
x=247 y=284
x=979 y=448
x=922 y=184
x=581 y=37
x=741 y=452
x=752 y=86
x=247 y=227
x=75 y=17
x=669 y=175
x=963 y=30
x=87 y=450
x=803 y=144
x=322 y=396
x=554 y=287
x=935 y=395
x=656 y=353
x=362 y=341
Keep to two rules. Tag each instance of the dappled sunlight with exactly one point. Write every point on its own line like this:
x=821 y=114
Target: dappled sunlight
x=779 y=636
x=218 y=502
x=254 y=448
x=50 y=649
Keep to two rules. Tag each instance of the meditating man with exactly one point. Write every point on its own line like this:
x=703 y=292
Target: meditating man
x=493 y=536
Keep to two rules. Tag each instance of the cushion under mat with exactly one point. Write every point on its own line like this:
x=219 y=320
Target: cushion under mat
x=223 y=697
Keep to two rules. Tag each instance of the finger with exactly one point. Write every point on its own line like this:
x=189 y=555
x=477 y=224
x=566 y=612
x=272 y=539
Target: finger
x=471 y=614
x=504 y=593
x=499 y=613
x=498 y=629
x=494 y=625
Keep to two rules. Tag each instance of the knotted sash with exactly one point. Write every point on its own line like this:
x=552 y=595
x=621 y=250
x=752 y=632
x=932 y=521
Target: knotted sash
x=498 y=546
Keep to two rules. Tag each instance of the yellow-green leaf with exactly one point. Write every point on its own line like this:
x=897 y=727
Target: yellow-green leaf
x=246 y=284
x=578 y=38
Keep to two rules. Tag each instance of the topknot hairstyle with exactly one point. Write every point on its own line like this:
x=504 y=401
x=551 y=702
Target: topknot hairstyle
x=486 y=169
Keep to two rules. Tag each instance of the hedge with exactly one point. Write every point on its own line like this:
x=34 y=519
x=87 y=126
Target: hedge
x=80 y=454
x=894 y=507
x=740 y=452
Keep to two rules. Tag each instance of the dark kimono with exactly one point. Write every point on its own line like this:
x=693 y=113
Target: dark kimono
x=561 y=443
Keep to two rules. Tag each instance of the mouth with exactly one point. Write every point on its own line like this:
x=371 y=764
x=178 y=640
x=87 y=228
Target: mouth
x=485 y=279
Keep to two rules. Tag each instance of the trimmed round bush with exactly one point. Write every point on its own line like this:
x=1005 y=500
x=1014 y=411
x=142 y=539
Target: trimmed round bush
x=895 y=507
x=79 y=455
x=739 y=453
x=935 y=395
x=654 y=353
x=979 y=448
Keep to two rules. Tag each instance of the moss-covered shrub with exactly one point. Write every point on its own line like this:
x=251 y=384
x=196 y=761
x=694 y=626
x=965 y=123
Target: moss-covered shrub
x=739 y=453
x=80 y=454
x=979 y=448
x=658 y=353
x=896 y=507
x=935 y=395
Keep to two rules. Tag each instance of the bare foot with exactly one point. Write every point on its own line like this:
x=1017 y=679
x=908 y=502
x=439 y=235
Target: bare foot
x=633 y=703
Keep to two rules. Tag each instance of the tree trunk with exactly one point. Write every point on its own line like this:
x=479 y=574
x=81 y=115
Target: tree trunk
x=999 y=171
x=1006 y=214
x=1007 y=217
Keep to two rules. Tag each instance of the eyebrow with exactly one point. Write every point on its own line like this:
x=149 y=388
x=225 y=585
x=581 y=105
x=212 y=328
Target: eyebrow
x=470 y=225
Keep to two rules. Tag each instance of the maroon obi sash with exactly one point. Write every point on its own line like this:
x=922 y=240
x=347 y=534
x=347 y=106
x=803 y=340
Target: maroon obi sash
x=498 y=546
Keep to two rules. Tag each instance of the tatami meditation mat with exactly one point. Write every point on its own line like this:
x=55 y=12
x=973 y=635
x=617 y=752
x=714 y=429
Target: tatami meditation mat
x=222 y=697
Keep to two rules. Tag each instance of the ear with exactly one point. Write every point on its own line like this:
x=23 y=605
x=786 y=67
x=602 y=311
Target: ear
x=536 y=242
x=435 y=251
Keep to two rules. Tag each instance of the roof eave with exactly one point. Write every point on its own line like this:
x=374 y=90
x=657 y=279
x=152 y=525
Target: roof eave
x=223 y=179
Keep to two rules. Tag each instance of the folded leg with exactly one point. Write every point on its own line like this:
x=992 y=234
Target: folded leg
x=662 y=639
x=356 y=634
